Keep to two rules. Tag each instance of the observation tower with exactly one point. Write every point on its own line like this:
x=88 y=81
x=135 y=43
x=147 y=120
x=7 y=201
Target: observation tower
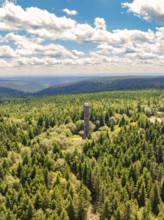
x=86 y=120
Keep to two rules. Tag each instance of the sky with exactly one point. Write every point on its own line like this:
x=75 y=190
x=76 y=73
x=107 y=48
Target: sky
x=81 y=37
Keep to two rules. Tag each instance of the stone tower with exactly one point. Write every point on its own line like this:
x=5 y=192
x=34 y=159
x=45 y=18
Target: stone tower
x=86 y=120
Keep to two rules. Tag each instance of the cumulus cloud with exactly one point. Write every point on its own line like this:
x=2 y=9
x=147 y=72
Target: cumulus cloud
x=3 y=63
x=30 y=40
x=70 y=12
x=100 y=23
x=32 y=48
x=148 y=9
x=14 y=17
x=6 y=52
x=48 y=26
x=77 y=53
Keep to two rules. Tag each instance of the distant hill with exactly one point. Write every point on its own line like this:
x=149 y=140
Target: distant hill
x=35 y=84
x=24 y=86
x=14 y=88
x=105 y=84
x=6 y=92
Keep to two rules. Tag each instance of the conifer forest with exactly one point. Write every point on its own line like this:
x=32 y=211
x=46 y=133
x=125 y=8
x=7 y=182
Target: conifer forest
x=47 y=171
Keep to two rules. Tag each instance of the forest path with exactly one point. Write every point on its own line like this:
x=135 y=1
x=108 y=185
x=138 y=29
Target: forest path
x=91 y=215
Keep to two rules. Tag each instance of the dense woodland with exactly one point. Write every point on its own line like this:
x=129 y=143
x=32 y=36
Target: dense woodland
x=23 y=87
x=106 y=84
x=32 y=84
x=47 y=171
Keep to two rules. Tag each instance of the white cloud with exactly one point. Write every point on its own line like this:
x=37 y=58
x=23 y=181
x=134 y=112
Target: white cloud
x=13 y=17
x=70 y=12
x=100 y=23
x=5 y=64
x=6 y=52
x=148 y=9
x=78 y=53
x=119 y=50
x=31 y=52
x=123 y=47
x=48 y=26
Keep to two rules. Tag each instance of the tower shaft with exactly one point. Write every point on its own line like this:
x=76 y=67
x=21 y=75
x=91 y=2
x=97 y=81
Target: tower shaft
x=86 y=119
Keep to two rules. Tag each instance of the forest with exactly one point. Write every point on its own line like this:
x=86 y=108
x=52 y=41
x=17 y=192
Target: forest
x=45 y=86
x=47 y=171
x=101 y=84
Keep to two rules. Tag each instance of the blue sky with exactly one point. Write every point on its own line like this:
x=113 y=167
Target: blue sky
x=55 y=37
x=111 y=10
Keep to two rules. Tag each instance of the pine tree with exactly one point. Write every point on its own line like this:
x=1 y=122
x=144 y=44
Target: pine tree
x=142 y=195
x=45 y=201
x=31 y=133
x=128 y=212
x=64 y=215
x=30 y=212
x=38 y=201
x=71 y=209
x=155 y=199
x=2 y=173
x=106 y=213
x=162 y=191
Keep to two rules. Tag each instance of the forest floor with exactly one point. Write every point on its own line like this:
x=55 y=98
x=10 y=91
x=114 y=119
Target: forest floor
x=91 y=215
x=153 y=119
x=159 y=117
